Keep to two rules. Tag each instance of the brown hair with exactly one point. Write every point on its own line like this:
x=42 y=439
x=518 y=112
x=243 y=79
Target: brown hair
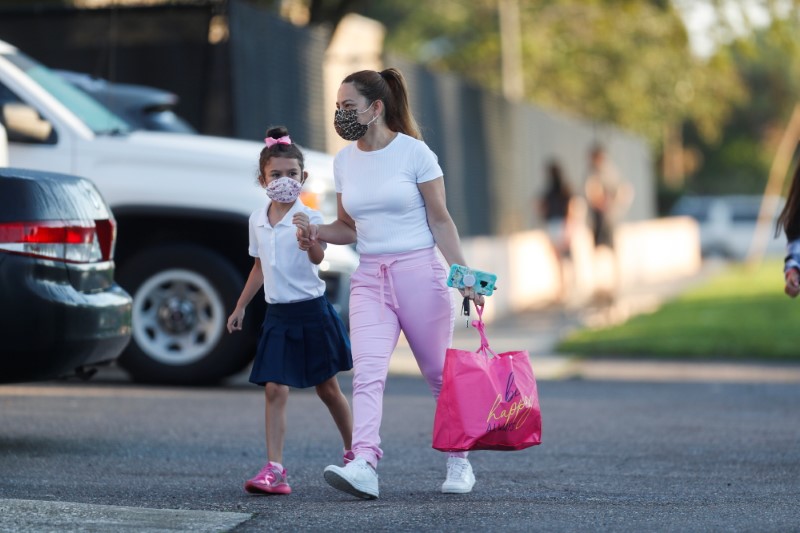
x=389 y=86
x=288 y=151
x=789 y=219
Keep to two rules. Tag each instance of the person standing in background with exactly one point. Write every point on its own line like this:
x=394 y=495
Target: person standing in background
x=554 y=206
x=557 y=208
x=608 y=196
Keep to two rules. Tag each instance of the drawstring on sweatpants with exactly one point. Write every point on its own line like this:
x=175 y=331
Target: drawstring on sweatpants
x=383 y=273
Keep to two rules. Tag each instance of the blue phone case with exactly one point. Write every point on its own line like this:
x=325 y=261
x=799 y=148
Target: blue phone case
x=484 y=282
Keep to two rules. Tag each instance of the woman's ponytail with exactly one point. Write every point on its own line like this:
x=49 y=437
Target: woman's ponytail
x=398 y=110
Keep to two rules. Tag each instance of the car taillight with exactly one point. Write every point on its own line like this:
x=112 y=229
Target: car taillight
x=107 y=235
x=69 y=241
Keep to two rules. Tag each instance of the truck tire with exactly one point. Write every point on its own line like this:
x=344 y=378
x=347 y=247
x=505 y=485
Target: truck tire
x=182 y=296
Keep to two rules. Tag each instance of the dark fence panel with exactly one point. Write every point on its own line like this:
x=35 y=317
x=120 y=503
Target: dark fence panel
x=161 y=46
x=277 y=75
x=448 y=111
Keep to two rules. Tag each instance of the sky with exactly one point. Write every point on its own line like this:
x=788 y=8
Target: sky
x=700 y=18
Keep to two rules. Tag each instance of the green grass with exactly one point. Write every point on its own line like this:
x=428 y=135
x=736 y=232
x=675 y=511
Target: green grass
x=738 y=314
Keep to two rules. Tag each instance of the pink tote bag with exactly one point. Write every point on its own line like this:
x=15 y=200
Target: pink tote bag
x=488 y=401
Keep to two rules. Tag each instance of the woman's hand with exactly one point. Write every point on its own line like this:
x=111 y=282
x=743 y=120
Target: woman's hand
x=792 y=288
x=469 y=292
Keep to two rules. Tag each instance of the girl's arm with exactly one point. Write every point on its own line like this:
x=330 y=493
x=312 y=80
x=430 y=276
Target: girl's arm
x=316 y=253
x=444 y=229
x=254 y=282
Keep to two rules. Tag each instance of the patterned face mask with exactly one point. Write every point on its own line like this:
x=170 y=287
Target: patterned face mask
x=284 y=189
x=346 y=123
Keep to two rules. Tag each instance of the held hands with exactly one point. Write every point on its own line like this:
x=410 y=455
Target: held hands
x=792 y=288
x=303 y=242
x=307 y=232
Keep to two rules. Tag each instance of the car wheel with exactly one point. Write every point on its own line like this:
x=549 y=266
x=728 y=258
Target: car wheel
x=182 y=296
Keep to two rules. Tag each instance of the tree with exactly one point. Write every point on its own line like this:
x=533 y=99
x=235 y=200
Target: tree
x=622 y=61
x=768 y=60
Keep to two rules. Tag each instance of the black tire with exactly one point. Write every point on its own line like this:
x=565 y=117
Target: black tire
x=183 y=295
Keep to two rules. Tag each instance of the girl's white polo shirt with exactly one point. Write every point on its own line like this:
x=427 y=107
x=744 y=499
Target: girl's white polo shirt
x=289 y=276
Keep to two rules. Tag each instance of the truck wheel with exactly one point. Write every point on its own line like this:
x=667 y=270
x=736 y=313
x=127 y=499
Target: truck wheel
x=182 y=296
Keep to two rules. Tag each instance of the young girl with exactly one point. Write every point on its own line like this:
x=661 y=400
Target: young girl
x=303 y=342
x=789 y=222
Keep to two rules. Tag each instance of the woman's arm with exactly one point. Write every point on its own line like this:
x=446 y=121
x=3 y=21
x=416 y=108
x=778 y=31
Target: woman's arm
x=441 y=223
x=340 y=231
x=254 y=282
x=444 y=229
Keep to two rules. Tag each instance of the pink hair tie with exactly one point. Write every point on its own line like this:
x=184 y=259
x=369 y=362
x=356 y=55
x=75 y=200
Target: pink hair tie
x=271 y=141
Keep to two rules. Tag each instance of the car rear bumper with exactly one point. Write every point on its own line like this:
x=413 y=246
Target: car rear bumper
x=49 y=328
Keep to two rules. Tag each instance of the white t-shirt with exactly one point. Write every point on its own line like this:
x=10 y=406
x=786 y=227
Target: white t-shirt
x=289 y=275
x=379 y=191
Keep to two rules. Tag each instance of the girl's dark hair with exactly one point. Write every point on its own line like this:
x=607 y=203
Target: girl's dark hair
x=288 y=151
x=557 y=183
x=389 y=86
x=789 y=219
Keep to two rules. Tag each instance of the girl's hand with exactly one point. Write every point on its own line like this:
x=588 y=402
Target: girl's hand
x=792 y=288
x=235 y=320
x=301 y=220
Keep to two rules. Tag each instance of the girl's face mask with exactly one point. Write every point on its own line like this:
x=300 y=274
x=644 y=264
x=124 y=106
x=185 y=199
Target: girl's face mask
x=346 y=123
x=284 y=189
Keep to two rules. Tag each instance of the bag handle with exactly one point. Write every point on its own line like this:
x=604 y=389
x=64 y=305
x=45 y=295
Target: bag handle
x=481 y=327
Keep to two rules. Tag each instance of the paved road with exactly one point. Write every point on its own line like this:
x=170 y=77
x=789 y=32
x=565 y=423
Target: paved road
x=617 y=456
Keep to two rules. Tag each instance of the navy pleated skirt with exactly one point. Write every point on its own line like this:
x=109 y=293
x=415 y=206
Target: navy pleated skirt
x=302 y=344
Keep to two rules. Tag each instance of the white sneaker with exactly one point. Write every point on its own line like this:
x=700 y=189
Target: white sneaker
x=356 y=477
x=460 y=478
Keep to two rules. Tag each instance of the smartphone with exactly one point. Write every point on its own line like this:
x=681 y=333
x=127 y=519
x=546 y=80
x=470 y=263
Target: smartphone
x=462 y=277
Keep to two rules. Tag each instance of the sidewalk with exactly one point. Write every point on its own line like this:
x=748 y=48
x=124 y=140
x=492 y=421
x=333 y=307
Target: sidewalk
x=539 y=331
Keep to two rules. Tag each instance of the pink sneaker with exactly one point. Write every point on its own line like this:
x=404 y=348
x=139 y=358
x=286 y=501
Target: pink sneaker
x=348 y=456
x=268 y=481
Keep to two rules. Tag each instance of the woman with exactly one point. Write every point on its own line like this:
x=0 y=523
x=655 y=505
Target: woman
x=391 y=203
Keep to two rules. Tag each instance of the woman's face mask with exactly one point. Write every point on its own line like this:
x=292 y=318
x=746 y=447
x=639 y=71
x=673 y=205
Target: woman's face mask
x=346 y=123
x=284 y=189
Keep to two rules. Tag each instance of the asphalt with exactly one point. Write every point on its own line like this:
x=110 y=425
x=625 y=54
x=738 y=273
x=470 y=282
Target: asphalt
x=631 y=446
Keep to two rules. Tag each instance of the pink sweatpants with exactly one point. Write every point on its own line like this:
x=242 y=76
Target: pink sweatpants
x=389 y=293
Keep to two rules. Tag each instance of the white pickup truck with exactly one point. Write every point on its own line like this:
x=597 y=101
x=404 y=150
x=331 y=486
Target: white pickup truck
x=181 y=203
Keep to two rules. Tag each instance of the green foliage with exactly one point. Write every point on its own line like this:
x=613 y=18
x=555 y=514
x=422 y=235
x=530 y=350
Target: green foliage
x=740 y=314
x=628 y=62
x=621 y=61
x=768 y=61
